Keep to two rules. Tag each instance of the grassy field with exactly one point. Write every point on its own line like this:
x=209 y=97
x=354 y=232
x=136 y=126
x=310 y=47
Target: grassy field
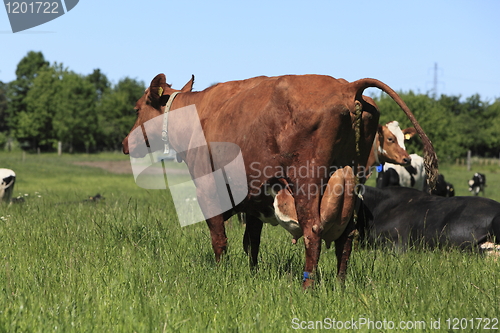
x=125 y=265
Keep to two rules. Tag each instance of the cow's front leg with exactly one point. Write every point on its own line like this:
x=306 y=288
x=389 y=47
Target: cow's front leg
x=308 y=217
x=218 y=234
x=208 y=184
x=251 y=239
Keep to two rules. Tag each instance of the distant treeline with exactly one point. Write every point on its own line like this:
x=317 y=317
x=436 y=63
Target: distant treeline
x=47 y=104
x=454 y=126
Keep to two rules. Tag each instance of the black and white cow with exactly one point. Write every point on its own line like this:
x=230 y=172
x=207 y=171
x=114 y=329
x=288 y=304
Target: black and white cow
x=477 y=183
x=407 y=217
x=412 y=175
x=7 y=181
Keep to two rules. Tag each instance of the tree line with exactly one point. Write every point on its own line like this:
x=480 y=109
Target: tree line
x=47 y=104
x=454 y=126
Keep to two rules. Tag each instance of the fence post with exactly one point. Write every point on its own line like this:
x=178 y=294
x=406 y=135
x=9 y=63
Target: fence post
x=468 y=160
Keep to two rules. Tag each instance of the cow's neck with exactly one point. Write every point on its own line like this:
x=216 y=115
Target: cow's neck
x=373 y=159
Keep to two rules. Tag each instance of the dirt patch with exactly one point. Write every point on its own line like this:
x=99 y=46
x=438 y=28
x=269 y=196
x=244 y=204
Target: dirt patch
x=122 y=167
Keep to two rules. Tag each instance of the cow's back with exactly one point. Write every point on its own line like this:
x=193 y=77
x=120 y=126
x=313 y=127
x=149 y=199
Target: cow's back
x=281 y=121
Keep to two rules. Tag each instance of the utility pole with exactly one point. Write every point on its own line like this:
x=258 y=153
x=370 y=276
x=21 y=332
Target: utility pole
x=435 y=89
x=435 y=82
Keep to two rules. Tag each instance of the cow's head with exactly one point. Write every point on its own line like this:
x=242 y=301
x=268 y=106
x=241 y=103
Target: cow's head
x=148 y=108
x=389 y=143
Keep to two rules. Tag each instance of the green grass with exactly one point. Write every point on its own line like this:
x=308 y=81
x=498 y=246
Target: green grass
x=125 y=265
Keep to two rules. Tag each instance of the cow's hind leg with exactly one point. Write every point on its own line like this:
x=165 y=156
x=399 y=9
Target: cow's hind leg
x=343 y=249
x=251 y=239
x=218 y=234
x=337 y=206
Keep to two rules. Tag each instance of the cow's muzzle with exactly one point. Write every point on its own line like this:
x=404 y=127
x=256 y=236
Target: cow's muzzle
x=125 y=146
x=407 y=161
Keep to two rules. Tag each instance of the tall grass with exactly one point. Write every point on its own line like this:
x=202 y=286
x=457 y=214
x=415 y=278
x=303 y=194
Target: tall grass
x=125 y=265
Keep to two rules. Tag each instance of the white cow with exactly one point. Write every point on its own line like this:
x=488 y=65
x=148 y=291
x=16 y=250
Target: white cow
x=7 y=181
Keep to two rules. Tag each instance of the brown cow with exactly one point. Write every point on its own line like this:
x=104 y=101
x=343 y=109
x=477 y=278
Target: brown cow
x=300 y=142
x=389 y=147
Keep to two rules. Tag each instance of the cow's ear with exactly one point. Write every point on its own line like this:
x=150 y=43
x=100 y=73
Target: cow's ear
x=158 y=84
x=188 y=86
x=409 y=132
x=158 y=90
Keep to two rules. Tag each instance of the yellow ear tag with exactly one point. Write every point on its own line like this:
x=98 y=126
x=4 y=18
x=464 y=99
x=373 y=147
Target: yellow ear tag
x=160 y=91
x=407 y=136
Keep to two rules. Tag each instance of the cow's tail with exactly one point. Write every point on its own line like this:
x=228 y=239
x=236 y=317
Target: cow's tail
x=430 y=158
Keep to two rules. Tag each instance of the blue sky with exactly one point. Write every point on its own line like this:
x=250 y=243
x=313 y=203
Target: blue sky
x=397 y=42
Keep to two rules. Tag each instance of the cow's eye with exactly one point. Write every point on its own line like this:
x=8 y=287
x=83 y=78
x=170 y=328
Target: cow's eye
x=390 y=139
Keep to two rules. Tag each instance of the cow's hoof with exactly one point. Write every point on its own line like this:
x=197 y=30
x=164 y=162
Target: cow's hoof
x=308 y=281
x=308 y=284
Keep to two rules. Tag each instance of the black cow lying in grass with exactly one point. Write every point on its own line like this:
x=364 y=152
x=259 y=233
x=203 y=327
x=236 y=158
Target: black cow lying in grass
x=410 y=217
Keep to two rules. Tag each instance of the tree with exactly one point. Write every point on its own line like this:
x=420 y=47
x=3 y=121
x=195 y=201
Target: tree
x=4 y=128
x=60 y=107
x=34 y=123
x=100 y=82
x=52 y=103
x=3 y=107
x=492 y=137
x=116 y=112
x=75 y=117
x=27 y=70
